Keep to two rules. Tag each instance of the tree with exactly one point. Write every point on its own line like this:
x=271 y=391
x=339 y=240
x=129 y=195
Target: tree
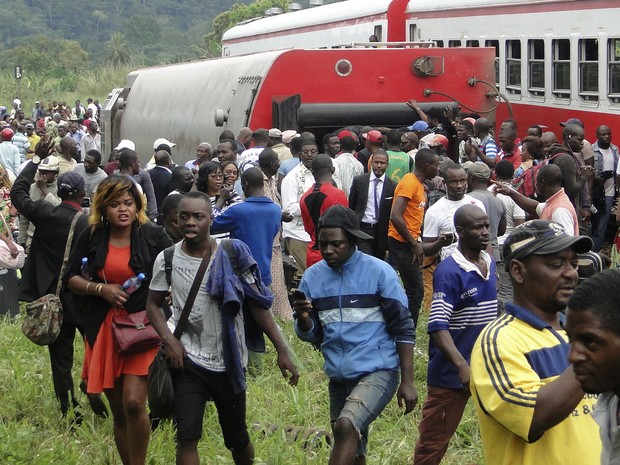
x=117 y=50
x=238 y=13
x=99 y=17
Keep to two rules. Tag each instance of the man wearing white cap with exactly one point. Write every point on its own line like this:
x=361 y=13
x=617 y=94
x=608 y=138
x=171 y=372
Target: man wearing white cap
x=160 y=144
x=44 y=188
x=276 y=143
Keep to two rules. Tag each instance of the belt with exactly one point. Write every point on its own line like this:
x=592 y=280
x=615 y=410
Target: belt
x=368 y=225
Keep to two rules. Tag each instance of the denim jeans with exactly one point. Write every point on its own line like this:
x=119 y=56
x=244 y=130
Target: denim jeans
x=598 y=235
x=410 y=272
x=361 y=401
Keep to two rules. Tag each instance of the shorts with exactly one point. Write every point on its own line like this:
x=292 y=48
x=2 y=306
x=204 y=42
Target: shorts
x=194 y=386
x=361 y=401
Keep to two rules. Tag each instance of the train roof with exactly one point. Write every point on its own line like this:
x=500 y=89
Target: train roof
x=332 y=12
x=433 y=5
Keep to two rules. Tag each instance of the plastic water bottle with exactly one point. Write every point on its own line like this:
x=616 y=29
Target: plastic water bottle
x=132 y=284
x=85 y=273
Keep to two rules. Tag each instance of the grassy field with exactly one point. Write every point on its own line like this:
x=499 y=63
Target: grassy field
x=33 y=431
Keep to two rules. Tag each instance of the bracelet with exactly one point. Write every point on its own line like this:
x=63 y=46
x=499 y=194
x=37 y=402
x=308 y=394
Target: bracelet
x=98 y=288
x=87 y=287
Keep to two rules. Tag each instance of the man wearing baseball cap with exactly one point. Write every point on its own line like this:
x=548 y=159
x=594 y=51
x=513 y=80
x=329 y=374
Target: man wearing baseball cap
x=42 y=269
x=350 y=298
x=9 y=153
x=530 y=406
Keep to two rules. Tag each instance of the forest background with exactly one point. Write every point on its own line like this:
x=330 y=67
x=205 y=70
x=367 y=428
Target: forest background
x=67 y=50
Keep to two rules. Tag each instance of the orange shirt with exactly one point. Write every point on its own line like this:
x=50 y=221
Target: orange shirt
x=413 y=190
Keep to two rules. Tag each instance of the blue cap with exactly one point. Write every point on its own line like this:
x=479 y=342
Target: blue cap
x=419 y=126
x=141 y=276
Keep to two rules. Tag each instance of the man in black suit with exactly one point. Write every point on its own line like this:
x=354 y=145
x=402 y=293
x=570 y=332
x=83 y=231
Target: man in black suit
x=371 y=199
x=161 y=177
x=42 y=268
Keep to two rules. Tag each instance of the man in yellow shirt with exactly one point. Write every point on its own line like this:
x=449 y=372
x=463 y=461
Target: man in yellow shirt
x=530 y=406
x=33 y=138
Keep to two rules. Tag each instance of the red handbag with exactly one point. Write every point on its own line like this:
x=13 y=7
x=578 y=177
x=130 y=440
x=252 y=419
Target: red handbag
x=133 y=332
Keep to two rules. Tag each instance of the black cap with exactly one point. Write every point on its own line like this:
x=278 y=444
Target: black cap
x=541 y=237
x=69 y=183
x=339 y=216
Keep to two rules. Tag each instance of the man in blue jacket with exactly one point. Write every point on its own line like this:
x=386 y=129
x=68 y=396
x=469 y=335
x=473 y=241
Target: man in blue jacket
x=355 y=309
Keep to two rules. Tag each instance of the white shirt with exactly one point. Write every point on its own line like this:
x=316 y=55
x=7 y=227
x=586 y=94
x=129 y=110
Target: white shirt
x=89 y=142
x=203 y=337
x=294 y=185
x=439 y=219
x=248 y=159
x=604 y=414
x=560 y=215
x=369 y=212
x=513 y=212
x=346 y=167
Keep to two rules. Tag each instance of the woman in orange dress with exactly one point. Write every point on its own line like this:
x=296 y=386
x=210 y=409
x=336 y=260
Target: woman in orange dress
x=120 y=244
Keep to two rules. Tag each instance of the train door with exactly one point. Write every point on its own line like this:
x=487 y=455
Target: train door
x=243 y=96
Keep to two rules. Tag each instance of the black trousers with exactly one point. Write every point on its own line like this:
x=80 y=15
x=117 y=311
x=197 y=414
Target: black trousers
x=61 y=359
x=410 y=274
x=375 y=246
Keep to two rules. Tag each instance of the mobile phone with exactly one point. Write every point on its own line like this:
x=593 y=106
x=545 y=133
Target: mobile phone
x=86 y=202
x=299 y=295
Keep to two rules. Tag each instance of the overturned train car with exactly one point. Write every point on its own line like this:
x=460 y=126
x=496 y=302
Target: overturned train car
x=315 y=90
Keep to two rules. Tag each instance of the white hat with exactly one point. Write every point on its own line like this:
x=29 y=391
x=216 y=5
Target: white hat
x=125 y=144
x=163 y=141
x=49 y=164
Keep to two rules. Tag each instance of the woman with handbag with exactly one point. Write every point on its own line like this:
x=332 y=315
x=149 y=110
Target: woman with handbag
x=120 y=244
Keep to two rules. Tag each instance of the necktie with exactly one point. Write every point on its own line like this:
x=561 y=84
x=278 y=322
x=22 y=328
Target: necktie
x=377 y=197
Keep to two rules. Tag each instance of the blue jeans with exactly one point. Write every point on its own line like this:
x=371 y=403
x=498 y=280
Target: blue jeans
x=410 y=272
x=598 y=235
x=361 y=401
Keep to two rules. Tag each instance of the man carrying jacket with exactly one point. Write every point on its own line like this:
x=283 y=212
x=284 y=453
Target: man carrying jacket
x=356 y=310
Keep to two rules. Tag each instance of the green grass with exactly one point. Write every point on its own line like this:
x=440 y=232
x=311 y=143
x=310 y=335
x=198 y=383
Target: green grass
x=33 y=431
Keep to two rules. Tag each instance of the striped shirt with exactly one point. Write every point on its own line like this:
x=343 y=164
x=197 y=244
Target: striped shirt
x=464 y=302
x=514 y=357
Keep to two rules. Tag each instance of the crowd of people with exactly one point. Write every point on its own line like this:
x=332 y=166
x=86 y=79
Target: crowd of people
x=482 y=230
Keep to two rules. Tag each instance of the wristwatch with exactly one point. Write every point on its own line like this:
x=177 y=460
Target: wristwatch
x=36 y=159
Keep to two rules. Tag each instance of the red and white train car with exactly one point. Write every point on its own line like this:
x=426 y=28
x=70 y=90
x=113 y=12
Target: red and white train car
x=555 y=59
x=321 y=27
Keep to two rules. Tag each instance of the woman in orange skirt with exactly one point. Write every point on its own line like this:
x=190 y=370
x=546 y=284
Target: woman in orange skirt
x=121 y=243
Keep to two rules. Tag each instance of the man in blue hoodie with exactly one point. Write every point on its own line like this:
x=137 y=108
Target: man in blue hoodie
x=355 y=309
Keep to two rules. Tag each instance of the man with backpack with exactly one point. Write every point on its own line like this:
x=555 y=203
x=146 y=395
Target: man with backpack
x=212 y=351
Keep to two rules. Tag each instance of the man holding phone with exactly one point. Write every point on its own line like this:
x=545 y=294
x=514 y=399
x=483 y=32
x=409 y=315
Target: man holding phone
x=353 y=306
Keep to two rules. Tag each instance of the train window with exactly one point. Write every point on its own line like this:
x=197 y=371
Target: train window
x=513 y=66
x=495 y=45
x=588 y=69
x=454 y=43
x=614 y=69
x=413 y=33
x=561 y=68
x=536 y=63
x=473 y=43
x=379 y=33
x=439 y=43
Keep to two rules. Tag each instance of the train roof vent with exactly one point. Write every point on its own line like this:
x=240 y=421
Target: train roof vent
x=273 y=11
x=294 y=6
x=316 y=2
